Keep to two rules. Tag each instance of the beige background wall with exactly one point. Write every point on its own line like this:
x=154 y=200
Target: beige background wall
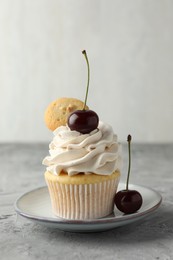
x=130 y=48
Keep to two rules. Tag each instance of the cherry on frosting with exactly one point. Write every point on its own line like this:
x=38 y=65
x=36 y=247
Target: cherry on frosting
x=84 y=121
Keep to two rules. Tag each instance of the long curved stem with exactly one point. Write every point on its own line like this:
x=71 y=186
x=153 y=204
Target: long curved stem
x=86 y=95
x=129 y=138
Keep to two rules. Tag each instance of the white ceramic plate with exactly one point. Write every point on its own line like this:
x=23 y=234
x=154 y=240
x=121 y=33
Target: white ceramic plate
x=35 y=205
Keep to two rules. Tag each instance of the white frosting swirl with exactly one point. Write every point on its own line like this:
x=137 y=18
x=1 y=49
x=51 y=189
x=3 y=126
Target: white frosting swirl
x=97 y=152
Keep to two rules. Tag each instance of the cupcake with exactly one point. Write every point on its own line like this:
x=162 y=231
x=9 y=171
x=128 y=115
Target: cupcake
x=83 y=172
x=84 y=161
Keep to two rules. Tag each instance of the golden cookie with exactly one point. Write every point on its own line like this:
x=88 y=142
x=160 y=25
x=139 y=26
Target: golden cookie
x=58 y=111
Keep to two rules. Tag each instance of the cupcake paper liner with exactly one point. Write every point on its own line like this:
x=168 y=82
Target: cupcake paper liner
x=82 y=201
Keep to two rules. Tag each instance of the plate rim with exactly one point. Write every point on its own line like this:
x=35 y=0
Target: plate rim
x=100 y=221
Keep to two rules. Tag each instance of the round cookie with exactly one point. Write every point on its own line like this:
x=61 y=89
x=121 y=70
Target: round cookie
x=58 y=111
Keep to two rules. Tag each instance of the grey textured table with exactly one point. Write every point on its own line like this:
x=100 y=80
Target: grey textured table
x=151 y=238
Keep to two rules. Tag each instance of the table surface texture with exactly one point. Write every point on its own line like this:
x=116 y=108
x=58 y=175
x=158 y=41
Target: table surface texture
x=150 y=238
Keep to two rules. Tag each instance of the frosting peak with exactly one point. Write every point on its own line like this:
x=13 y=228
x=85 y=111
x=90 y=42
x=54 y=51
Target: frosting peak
x=97 y=152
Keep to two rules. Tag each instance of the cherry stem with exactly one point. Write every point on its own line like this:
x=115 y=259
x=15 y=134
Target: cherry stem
x=129 y=138
x=86 y=95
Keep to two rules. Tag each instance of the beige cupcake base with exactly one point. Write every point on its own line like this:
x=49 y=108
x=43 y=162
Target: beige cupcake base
x=82 y=201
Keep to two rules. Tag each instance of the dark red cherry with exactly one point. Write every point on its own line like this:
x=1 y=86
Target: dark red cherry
x=83 y=121
x=128 y=201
